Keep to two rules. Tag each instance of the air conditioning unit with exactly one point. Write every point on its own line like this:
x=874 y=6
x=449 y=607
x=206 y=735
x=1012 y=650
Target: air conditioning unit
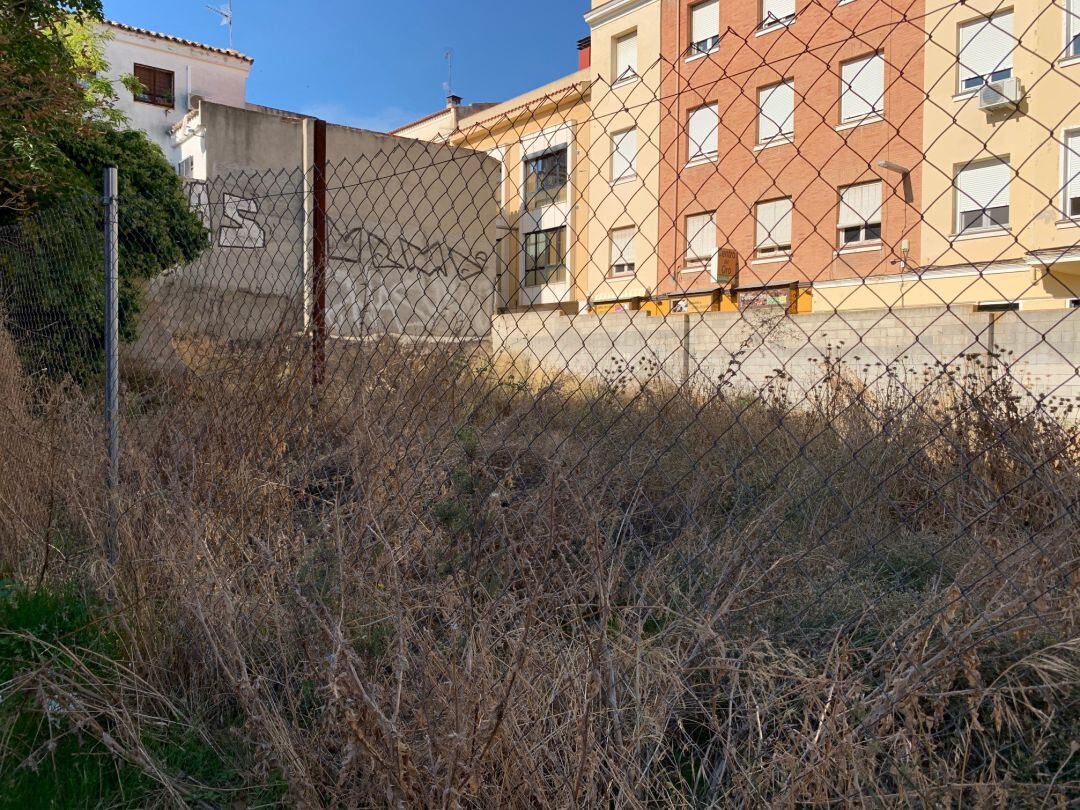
x=999 y=95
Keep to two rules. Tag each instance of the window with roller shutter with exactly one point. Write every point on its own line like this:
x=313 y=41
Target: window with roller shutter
x=986 y=51
x=626 y=57
x=157 y=86
x=776 y=112
x=623 y=155
x=776 y=13
x=1071 y=205
x=704 y=27
x=1072 y=28
x=700 y=239
x=982 y=195
x=704 y=133
x=862 y=88
x=860 y=214
x=773 y=228
x=622 y=252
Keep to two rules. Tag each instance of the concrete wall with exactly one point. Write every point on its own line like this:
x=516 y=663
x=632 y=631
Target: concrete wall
x=749 y=350
x=411 y=234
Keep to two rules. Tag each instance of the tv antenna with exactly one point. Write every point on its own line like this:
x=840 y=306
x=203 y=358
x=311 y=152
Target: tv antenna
x=226 y=14
x=449 y=86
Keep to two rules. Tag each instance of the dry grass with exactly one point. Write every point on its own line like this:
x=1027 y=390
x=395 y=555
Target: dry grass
x=447 y=587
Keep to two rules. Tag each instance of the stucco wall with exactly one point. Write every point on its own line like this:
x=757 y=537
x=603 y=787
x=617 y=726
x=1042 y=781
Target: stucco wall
x=957 y=132
x=197 y=72
x=1040 y=349
x=617 y=107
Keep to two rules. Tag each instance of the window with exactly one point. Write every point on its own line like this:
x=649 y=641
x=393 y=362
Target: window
x=186 y=168
x=157 y=86
x=622 y=251
x=776 y=112
x=626 y=57
x=982 y=195
x=623 y=155
x=776 y=13
x=986 y=51
x=704 y=133
x=545 y=257
x=1071 y=207
x=997 y=306
x=774 y=228
x=1073 y=303
x=1072 y=28
x=860 y=213
x=862 y=88
x=700 y=239
x=546 y=177
x=704 y=27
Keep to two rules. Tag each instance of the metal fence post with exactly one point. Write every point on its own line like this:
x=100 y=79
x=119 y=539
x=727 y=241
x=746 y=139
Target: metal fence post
x=112 y=337
x=318 y=281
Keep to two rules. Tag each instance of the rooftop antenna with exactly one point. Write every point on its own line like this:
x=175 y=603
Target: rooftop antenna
x=226 y=14
x=449 y=85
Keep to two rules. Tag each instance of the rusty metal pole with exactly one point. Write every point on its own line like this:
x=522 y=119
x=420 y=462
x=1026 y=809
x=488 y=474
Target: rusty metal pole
x=318 y=276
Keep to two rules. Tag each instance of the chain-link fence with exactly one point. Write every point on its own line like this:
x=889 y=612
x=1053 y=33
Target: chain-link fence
x=703 y=437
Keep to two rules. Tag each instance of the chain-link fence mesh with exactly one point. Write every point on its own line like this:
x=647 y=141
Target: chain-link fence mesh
x=705 y=437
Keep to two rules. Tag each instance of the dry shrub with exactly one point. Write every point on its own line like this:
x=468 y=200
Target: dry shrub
x=444 y=585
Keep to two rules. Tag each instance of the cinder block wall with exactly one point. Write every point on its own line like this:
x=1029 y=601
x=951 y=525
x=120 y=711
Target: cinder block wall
x=1040 y=350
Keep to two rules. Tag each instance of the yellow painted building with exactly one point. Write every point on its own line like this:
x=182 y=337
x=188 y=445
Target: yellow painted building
x=623 y=154
x=1001 y=180
x=542 y=140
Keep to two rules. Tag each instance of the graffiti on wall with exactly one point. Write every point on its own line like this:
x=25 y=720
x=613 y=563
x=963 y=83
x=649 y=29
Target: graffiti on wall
x=236 y=224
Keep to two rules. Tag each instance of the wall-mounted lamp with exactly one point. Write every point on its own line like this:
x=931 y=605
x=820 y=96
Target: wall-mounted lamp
x=894 y=167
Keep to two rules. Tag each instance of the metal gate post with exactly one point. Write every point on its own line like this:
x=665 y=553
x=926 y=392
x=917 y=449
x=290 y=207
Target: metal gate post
x=112 y=339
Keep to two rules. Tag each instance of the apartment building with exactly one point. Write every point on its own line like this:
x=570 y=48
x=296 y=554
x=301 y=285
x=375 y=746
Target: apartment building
x=542 y=140
x=174 y=73
x=1001 y=183
x=623 y=156
x=792 y=148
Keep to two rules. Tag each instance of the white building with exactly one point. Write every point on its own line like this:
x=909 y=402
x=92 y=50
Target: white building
x=175 y=72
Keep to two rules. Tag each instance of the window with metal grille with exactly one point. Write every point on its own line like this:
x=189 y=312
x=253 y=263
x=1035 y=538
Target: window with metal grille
x=545 y=257
x=157 y=86
x=546 y=178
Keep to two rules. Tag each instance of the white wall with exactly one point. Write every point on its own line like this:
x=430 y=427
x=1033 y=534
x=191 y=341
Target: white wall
x=197 y=71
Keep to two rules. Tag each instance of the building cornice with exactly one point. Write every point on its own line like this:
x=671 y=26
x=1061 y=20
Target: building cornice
x=614 y=10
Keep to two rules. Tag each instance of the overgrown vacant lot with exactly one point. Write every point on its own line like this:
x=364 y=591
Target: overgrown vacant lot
x=445 y=585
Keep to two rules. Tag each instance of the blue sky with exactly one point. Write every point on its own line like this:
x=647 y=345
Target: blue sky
x=375 y=64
